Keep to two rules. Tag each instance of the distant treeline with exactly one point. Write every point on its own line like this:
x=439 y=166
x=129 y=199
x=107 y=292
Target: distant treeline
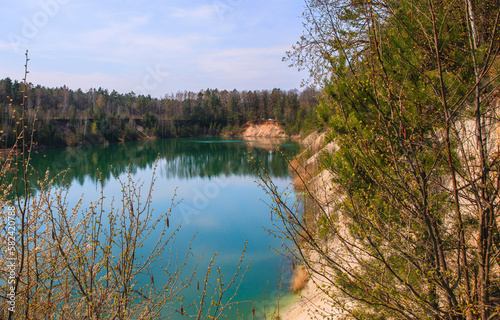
x=179 y=158
x=67 y=117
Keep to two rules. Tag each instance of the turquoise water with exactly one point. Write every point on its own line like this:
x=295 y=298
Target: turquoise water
x=220 y=203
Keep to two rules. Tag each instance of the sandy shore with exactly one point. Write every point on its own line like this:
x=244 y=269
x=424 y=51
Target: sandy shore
x=312 y=303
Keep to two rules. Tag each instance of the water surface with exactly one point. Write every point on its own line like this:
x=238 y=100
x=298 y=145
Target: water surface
x=221 y=202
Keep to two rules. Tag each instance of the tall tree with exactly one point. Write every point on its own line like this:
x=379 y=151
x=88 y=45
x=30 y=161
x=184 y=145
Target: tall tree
x=411 y=88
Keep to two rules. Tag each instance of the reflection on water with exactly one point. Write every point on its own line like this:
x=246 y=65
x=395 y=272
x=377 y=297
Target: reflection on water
x=180 y=158
x=221 y=202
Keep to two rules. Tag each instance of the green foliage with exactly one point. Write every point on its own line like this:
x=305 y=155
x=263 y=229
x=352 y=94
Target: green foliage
x=409 y=100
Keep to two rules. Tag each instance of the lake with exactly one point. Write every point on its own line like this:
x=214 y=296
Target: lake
x=220 y=202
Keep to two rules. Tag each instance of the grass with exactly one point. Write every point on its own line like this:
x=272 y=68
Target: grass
x=299 y=279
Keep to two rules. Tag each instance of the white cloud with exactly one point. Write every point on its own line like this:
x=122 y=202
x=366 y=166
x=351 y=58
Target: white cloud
x=252 y=61
x=247 y=69
x=113 y=46
x=202 y=12
x=115 y=30
x=6 y=46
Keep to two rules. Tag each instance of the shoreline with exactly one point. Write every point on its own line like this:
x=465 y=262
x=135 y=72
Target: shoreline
x=257 y=129
x=311 y=302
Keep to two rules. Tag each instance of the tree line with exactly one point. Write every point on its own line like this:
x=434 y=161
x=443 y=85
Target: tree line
x=69 y=117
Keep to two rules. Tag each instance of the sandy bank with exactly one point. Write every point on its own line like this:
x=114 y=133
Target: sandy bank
x=312 y=302
x=263 y=129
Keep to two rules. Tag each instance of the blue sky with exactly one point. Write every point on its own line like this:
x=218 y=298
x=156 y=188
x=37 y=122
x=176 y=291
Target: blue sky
x=151 y=46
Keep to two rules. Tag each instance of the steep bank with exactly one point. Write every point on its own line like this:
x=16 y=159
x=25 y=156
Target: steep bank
x=308 y=174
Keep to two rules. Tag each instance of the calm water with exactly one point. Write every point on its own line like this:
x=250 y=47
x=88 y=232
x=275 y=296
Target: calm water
x=221 y=201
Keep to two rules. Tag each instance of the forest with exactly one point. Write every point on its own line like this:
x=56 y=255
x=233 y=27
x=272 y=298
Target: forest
x=67 y=117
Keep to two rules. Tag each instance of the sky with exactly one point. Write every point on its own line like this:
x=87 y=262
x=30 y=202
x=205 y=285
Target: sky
x=151 y=46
